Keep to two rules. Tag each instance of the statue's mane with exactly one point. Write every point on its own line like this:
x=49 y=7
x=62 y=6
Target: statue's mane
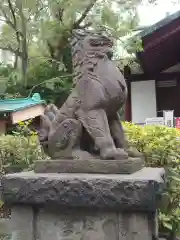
x=84 y=54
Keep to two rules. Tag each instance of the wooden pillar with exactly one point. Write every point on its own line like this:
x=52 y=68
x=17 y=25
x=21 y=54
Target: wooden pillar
x=3 y=127
x=128 y=115
x=127 y=75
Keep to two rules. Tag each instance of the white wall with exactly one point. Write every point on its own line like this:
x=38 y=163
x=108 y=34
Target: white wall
x=143 y=100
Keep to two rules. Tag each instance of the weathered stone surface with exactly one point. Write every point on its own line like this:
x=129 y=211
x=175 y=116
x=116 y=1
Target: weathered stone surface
x=46 y=223
x=134 y=226
x=76 y=225
x=22 y=223
x=139 y=227
x=90 y=225
x=137 y=191
x=126 y=166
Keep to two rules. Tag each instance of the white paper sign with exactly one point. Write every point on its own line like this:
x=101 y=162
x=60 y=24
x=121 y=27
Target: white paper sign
x=169 y=118
x=155 y=121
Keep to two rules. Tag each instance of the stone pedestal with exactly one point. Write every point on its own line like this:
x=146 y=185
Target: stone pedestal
x=84 y=206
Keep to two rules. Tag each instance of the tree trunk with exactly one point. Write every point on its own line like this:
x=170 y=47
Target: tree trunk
x=16 y=61
x=24 y=47
x=24 y=65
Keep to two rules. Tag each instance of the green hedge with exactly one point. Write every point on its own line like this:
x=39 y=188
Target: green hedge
x=160 y=146
x=17 y=153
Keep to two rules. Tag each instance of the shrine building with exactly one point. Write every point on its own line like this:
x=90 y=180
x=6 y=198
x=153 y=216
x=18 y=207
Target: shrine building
x=155 y=86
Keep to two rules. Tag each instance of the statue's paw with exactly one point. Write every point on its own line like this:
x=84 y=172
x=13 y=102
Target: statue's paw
x=121 y=154
x=79 y=154
x=116 y=154
x=134 y=153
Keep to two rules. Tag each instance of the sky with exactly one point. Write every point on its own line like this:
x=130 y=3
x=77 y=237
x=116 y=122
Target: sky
x=152 y=14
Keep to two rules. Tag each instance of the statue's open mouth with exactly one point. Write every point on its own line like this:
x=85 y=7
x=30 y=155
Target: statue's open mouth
x=101 y=41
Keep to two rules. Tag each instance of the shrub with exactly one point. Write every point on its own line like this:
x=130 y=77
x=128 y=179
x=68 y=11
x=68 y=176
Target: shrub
x=161 y=148
x=18 y=153
x=20 y=150
x=159 y=144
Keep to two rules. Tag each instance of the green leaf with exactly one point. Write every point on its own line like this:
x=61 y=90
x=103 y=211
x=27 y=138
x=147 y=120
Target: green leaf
x=168 y=225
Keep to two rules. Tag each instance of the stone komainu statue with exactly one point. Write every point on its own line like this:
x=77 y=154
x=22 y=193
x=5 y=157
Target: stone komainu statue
x=88 y=125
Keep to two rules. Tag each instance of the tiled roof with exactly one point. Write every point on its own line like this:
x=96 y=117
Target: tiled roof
x=13 y=105
x=159 y=24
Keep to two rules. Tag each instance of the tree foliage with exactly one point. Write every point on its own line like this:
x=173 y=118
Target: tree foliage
x=50 y=23
x=37 y=33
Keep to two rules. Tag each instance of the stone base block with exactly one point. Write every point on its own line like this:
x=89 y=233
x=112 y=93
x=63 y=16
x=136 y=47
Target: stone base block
x=84 y=206
x=53 y=224
x=129 y=192
x=126 y=166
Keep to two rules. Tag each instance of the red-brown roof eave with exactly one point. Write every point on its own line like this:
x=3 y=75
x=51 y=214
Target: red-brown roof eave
x=161 y=47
